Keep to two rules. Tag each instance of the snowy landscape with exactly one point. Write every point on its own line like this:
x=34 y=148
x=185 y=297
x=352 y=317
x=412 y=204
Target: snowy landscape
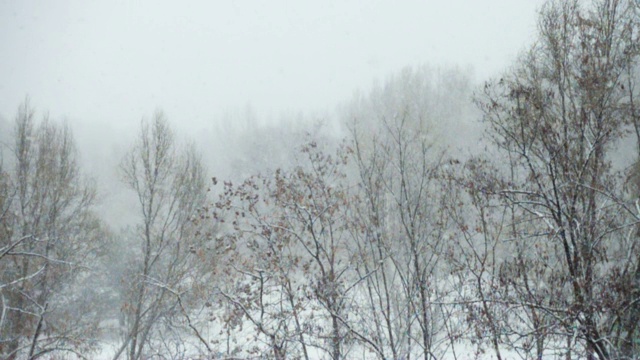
x=438 y=211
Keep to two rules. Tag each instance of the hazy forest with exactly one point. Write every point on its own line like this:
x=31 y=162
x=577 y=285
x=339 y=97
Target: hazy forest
x=435 y=216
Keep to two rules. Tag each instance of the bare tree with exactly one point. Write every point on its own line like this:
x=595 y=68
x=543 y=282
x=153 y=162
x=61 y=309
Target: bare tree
x=557 y=119
x=291 y=255
x=398 y=141
x=170 y=187
x=49 y=237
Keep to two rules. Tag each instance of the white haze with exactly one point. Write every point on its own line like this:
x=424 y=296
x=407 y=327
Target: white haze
x=212 y=66
x=116 y=60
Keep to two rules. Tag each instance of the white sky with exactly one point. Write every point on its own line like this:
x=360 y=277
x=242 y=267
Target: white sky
x=118 y=60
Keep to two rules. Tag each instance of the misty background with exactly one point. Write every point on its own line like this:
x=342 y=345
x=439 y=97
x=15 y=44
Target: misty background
x=216 y=68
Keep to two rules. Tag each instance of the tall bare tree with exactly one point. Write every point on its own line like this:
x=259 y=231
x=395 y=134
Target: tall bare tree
x=169 y=183
x=49 y=237
x=558 y=118
x=398 y=140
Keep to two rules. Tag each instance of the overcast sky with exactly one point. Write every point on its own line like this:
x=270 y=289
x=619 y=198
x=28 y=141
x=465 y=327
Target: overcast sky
x=117 y=60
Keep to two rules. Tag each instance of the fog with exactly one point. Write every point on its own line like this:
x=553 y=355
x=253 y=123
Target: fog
x=103 y=66
x=112 y=62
